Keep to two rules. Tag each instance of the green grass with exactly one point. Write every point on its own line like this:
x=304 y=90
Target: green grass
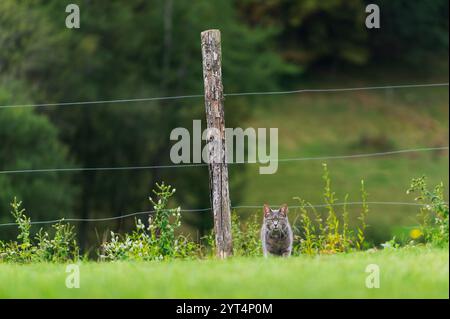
x=405 y=273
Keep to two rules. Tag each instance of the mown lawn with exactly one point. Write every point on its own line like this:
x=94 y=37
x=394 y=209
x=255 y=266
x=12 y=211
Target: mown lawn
x=405 y=273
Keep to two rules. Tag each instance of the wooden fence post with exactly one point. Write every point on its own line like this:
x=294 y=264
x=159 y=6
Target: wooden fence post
x=216 y=146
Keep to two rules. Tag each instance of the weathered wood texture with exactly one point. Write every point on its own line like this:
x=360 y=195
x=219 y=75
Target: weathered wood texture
x=215 y=118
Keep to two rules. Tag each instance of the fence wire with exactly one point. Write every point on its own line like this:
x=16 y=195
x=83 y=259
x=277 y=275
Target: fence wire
x=282 y=160
x=200 y=210
x=192 y=96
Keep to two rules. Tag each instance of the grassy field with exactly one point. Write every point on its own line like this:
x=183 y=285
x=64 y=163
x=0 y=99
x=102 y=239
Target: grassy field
x=405 y=273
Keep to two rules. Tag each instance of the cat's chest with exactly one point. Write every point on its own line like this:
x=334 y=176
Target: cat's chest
x=277 y=239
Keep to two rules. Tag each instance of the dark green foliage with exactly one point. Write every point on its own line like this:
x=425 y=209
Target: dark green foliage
x=334 y=31
x=314 y=31
x=411 y=31
x=29 y=141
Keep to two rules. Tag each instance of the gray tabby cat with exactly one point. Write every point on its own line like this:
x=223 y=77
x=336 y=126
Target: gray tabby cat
x=276 y=232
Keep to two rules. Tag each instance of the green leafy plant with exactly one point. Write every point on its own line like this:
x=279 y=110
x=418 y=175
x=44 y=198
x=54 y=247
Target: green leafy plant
x=62 y=247
x=158 y=241
x=434 y=212
x=246 y=236
x=317 y=235
x=360 y=242
x=333 y=238
x=311 y=241
x=209 y=246
x=391 y=244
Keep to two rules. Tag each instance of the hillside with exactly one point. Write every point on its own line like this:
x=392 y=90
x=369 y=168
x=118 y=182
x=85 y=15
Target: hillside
x=329 y=124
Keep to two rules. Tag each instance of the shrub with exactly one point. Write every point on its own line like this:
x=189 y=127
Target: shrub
x=158 y=241
x=333 y=234
x=61 y=248
x=246 y=236
x=434 y=212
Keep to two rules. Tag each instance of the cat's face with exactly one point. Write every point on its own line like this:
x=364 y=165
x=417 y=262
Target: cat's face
x=276 y=219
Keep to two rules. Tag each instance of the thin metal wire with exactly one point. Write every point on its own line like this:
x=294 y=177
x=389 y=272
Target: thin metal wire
x=80 y=169
x=334 y=204
x=179 y=97
x=426 y=149
x=101 y=219
x=209 y=209
x=404 y=86
x=84 y=103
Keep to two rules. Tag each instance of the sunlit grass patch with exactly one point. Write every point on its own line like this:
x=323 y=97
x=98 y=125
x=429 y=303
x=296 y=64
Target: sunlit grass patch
x=415 y=272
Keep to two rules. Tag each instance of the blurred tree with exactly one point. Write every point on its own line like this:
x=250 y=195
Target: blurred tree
x=323 y=33
x=411 y=31
x=29 y=141
x=313 y=32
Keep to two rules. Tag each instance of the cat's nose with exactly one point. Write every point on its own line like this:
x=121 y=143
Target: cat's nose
x=275 y=224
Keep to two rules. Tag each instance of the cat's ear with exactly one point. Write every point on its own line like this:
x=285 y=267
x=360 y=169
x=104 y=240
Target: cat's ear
x=266 y=210
x=284 y=210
